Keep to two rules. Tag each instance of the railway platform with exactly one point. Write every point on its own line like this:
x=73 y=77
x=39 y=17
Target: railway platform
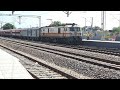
x=102 y=44
x=11 y=68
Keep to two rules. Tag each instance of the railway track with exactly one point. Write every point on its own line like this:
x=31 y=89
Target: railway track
x=99 y=50
x=109 y=51
x=55 y=71
x=87 y=59
x=40 y=72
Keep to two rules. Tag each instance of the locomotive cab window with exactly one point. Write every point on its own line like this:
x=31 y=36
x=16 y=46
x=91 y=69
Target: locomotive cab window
x=72 y=29
x=58 y=30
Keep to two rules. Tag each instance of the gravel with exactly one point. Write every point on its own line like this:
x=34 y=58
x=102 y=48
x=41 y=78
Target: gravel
x=82 y=52
x=86 y=53
x=86 y=69
x=38 y=70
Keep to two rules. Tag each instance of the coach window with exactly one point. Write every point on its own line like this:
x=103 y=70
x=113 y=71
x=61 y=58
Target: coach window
x=58 y=30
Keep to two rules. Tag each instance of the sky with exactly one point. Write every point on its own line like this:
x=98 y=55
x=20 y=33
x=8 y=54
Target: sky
x=78 y=17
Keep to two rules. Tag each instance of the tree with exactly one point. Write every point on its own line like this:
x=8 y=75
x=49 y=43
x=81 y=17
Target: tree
x=116 y=30
x=97 y=28
x=8 y=26
x=56 y=23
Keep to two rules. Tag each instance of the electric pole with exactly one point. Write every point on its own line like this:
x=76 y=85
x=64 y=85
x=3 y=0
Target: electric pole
x=103 y=22
x=91 y=23
x=39 y=17
x=85 y=22
x=67 y=12
x=19 y=19
x=13 y=12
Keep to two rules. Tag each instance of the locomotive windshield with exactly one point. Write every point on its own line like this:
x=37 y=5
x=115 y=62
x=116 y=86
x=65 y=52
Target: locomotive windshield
x=74 y=29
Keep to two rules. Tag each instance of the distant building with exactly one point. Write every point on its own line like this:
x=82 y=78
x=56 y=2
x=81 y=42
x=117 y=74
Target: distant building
x=92 y=33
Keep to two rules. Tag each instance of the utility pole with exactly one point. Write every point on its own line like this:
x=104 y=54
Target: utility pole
x=91 y=22
x=19 y=19
x=67 y=12
x=13 y=12
x=83 y=30
x=85 y=27
x=85 y=22
x=103 y=21
x=13 y=18
x=39 y=17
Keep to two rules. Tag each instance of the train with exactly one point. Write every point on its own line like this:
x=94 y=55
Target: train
x=67 y=34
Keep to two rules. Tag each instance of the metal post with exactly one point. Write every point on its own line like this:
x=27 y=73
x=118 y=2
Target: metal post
x=84 y=28
x=91 y=23
x=39 y=21
x=103 y=26
x=13 y=21
x=103 y=17
x=19 y=19
x=102 y=20
x=13 y=12
x=67 y=12
x=85 y=22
